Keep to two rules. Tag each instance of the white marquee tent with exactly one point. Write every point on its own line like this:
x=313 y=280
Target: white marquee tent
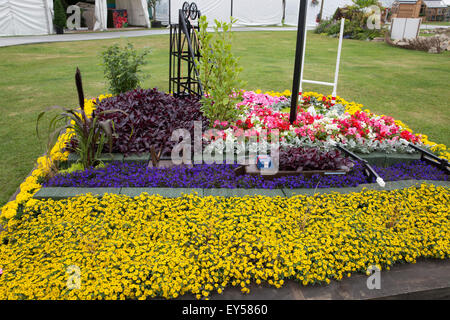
x=137 y=13
x=247 y=12
x=35 y=17
x=258 y=12
x=254 y=12
x=329 y=8
x=213 y=9
x=26 y=17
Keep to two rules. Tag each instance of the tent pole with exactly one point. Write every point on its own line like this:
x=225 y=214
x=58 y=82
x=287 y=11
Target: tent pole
x=299 y=55
x=338 y=62
x=47 y=17
x=303 y=63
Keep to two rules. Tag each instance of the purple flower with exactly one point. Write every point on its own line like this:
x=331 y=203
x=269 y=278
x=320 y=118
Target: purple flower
x=205 y=176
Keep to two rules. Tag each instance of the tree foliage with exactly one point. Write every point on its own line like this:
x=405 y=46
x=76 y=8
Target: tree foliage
x=219 y=71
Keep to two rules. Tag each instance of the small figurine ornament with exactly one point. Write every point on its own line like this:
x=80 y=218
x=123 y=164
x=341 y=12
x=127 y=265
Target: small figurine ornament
x=264 y=162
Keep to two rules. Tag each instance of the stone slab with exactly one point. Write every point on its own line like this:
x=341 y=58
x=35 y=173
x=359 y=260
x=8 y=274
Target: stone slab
x=243 y=192
x=64 y=193
x=375 y=158
x=396 y=158
x=137 y=158
x=393 y=185
x=113 y=157
x=310 y=192
x=381 y=159
x=164 y=192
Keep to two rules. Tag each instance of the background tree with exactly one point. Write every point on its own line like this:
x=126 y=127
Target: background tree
x=60 y=14
x=152 y=4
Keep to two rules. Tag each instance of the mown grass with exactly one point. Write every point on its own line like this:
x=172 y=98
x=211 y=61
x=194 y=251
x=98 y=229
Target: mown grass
x=408 y=85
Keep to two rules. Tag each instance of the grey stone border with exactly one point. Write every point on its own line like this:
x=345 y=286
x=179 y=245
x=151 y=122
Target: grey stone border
x=64 y=193
x=379 y=159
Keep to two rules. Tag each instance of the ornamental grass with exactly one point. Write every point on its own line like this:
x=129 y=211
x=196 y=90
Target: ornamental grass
x=149 y=246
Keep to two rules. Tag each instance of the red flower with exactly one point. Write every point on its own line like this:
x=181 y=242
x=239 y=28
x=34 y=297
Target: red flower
x=407 y=135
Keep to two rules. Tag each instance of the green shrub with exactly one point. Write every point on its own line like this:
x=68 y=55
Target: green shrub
x=78 y=166
x=323 y=26
x=60 y=18
x=122 y=67
x=219 y=72
x=355 y=23
x=365 y=3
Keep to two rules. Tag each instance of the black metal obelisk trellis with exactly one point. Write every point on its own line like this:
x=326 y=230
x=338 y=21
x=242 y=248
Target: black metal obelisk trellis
x=299 y=55
x=184 y=51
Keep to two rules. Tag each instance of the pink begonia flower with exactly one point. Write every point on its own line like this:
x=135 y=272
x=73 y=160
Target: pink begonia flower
x=1 y=271
x=238 y=132
x=351 y=131
x=224 y=123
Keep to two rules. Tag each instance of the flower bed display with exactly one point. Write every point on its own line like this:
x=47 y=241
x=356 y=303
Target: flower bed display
x=11 y=212
x=118 y=175
x=319 y=124
x=148 y=247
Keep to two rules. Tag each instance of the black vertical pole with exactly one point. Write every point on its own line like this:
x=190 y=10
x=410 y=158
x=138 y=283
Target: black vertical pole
x=298 y=59
x=170 y=11
x=170 y=59
x=180 y=52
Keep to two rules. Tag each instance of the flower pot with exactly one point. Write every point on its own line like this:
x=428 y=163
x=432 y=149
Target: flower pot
x=59 y=30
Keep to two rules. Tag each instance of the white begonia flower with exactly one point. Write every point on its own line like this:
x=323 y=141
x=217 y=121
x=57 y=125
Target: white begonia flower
x=312 y=111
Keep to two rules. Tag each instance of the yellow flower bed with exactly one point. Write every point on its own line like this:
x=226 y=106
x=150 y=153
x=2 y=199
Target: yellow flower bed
x=44 y=166
x=151 y=246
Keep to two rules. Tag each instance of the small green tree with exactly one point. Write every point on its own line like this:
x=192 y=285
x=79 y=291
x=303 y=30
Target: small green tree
x=122 y=67
x=152 y=4
x=219 y=72
x=60 y=18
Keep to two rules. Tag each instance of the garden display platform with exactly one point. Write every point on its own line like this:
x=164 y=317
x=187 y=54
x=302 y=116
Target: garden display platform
x=129 y=231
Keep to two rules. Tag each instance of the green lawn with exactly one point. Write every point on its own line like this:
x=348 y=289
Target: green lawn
x=437 y=23
x=408 y=85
